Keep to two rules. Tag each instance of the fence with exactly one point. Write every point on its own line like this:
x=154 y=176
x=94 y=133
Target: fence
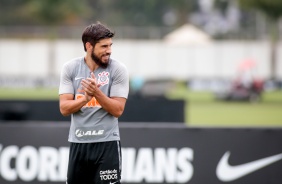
x=146 y=59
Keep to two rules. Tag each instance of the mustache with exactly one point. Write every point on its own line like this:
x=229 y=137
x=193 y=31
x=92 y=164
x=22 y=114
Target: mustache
x=108 y=54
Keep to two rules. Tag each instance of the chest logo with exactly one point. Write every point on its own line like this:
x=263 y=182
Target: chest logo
x=103 y=78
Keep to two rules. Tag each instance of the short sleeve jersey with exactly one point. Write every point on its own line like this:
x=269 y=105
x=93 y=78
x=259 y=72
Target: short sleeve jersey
x=92 y=123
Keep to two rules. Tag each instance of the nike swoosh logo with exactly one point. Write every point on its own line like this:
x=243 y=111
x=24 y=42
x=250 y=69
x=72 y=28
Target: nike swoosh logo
x=226 y=172
x=113 y=182
x=77 y=78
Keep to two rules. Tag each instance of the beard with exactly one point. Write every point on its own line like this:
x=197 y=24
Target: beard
x=98 y=61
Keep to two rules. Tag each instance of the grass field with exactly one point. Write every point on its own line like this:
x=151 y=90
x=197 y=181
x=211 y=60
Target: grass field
x=203 y=110
x=28 y=93
x=201 y=107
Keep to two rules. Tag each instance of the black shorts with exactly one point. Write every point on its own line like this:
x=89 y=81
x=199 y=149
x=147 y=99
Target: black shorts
x=97 y=163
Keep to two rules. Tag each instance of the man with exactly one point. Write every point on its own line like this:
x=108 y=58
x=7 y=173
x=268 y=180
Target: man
x=93 y=90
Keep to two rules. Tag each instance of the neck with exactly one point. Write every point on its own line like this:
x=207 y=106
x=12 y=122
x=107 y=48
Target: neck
x=90 y=63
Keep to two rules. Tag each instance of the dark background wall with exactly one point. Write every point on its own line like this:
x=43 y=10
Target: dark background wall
x=155 y=109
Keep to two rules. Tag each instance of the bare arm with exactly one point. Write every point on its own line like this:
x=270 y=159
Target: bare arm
x=68 y=105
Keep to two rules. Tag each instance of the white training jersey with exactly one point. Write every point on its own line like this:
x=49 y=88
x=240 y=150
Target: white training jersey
x=92 y=123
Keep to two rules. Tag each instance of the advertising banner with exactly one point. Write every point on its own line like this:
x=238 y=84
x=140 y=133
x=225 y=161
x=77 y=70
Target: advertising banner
x=152 y=153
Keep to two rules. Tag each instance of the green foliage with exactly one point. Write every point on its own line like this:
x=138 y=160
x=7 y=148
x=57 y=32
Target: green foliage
x=55 y=11
x=45 y=12
x=75 y=12
x=273 y=8
x=139 y=12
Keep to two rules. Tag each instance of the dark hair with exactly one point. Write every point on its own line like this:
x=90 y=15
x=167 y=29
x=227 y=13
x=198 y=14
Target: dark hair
x=95 y=32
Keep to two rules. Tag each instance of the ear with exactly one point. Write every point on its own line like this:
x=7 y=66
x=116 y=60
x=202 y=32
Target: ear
x=88 y=45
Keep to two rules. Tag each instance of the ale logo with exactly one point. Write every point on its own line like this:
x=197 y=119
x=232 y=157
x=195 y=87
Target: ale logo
x=83 y=133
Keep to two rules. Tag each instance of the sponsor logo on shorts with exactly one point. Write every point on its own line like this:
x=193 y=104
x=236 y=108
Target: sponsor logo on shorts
x=109 y=175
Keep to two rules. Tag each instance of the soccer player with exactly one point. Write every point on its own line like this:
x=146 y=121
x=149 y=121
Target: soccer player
x=93 y=90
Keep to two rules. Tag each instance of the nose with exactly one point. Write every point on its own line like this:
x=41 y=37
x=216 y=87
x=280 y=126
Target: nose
x=109 y=50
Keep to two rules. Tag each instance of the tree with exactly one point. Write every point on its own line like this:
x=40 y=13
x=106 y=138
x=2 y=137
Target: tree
x=46 y=12
x=273 y=10
x=140 y=12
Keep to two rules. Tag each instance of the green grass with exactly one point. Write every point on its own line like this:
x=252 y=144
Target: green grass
x=203 y=110
x=28 y=94
x=234 y=114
